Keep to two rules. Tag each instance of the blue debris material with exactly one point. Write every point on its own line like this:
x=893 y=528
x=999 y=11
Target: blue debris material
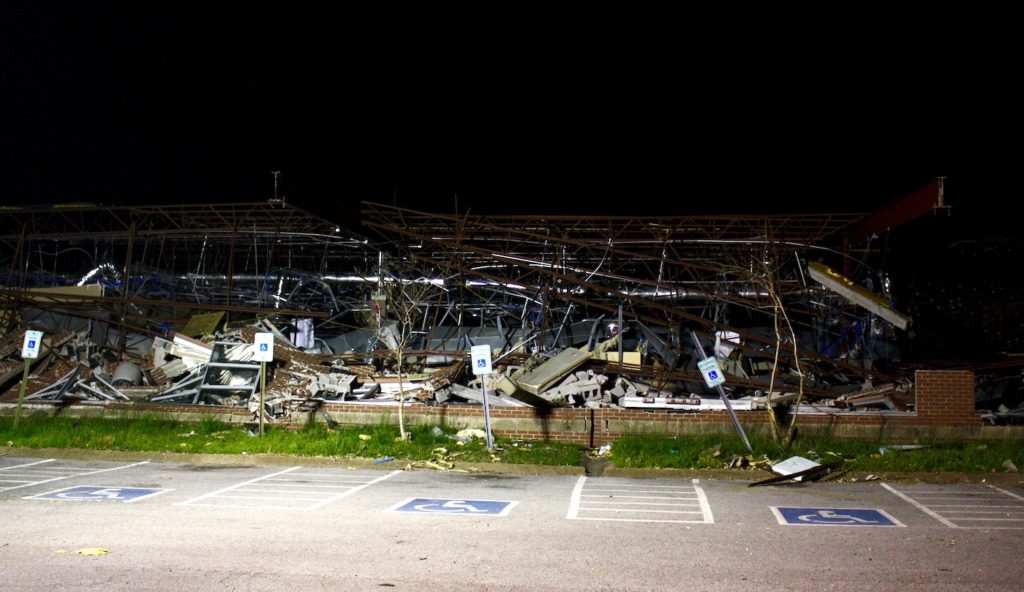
x=381 y=461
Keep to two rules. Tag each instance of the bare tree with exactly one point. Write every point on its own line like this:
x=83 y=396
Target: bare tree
x=765 y=273
x=396 y=307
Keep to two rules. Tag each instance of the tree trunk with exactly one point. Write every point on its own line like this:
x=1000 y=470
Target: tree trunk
x=401 y=399
x=800 y=391
x=774 y=421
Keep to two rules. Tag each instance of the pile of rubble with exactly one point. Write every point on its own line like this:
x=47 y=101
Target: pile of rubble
x=220 y=370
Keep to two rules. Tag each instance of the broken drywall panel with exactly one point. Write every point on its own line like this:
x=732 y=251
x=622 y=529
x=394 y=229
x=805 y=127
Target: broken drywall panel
x=794 y=465
x=725 y=343
x=629 y=357
x=551 y=371
x=203 y=324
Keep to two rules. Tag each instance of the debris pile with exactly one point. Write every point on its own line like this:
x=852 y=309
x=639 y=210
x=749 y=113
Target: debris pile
x=160 y=304
x=219 y=369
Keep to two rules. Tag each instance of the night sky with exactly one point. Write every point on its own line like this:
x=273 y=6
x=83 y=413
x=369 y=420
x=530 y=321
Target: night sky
x=513 y=109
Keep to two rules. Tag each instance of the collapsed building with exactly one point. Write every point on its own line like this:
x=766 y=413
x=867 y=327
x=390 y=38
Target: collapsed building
x=160 y=304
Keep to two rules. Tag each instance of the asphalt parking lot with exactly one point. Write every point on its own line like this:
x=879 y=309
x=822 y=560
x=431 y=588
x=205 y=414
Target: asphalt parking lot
x=253 y=527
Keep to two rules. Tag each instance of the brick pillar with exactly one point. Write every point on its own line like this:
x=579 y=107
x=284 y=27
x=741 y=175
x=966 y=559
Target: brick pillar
x=946 y=397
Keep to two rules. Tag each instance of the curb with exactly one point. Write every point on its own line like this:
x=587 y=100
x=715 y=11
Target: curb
x=252 y=460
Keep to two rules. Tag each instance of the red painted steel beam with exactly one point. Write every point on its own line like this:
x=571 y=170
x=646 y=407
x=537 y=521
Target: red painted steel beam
x=924 y=200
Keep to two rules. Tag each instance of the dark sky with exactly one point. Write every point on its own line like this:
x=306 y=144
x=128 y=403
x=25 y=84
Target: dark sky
x=515 y=109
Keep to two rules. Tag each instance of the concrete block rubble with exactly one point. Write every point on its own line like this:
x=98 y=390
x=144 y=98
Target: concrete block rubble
x=219 y=370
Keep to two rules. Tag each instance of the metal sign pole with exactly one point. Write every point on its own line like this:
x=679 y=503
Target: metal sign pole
x=263 y=352
x=21 y=394
x=487 y=415
x=721 y=393
x=481 y=356
x=263 y=391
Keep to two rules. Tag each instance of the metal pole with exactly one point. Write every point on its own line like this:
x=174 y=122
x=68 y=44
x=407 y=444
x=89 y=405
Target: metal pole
x=721 y=393
x=21 y=395
x=620 y=333
x=487 y=414
x=122 y=340
x=263 y=391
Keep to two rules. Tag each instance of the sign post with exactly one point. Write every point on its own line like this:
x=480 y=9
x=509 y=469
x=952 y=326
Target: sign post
x=29 y=351
x=264 y=346
x=714 y=378
x=481 y=355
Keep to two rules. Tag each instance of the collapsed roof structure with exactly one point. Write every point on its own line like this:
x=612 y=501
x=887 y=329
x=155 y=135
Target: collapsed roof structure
x=779 y=299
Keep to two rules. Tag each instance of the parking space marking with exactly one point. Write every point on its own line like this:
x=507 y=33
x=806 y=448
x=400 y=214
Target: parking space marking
x=37 y=475
x=804 y=516
x=967 y=506
x=618 y=501
x=289 y=489
x=455 y=507
x=99 y=493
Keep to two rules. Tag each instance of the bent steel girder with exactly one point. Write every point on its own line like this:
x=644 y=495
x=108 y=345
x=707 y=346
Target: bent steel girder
x=597 y=295
x=658 y=261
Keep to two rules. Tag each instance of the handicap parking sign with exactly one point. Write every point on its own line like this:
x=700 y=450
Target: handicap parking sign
x=833 y=517
x=99 y=493
x=711 y=372
x=264 y=351
x=461 y=507
x=30 y=346
x=481 y=355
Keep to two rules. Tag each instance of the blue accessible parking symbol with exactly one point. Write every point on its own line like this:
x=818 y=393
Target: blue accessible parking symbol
x=833 y=517
x=455 y=506
x=99 y=493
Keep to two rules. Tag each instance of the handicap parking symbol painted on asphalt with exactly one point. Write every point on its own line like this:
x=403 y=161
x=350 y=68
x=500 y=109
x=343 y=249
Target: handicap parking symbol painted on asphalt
x=461 y=507
x=833 y=517
x=99 y=493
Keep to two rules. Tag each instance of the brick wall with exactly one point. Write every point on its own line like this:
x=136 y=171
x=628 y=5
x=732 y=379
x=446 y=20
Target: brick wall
x=945 y=399
x=945 y=407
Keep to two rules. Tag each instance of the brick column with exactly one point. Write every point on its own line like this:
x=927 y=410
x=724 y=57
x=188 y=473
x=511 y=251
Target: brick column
x=946 y=397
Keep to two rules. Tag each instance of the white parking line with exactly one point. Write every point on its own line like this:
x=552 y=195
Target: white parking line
x=49 y=478
x=1007 y=492
x=605 y=497
x=640 y=497
x=980 y=513
x=355 y=489
x=233 y=487
x=277 y=489
x=38 y=462
x=648 y=491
